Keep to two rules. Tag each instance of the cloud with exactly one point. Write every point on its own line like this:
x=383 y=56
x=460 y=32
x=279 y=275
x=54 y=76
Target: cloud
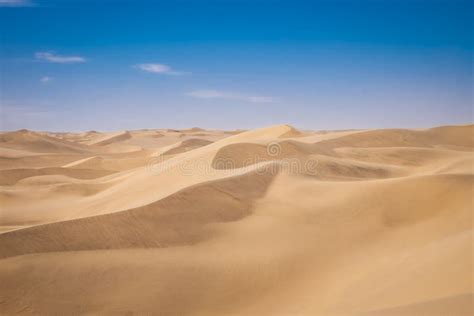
x=45 y=79
x=160 y=69
x=53 y=58
x=215 y=94
x=16 y=3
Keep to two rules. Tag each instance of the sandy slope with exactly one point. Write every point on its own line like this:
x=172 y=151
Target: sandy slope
x=272 y=221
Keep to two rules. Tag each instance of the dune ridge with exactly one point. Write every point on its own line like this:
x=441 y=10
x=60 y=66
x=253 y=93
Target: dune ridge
x=174 y=220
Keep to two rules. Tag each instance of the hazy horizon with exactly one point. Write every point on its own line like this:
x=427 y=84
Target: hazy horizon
x=99 y=130
x=98 y=65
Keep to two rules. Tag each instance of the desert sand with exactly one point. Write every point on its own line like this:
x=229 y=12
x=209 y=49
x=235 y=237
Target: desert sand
x=271 y=221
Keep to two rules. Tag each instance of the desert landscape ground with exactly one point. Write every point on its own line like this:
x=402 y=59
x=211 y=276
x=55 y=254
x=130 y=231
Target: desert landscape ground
x=271 y=221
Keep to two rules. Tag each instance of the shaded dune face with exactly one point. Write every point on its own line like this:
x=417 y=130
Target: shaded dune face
x=187 y=145
x=12 y=176
x=245 y=154
x=176 y=220
x=200 y=222
x=110 y=139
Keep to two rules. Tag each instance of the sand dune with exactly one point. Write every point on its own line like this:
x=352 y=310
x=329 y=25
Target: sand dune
x=90 y=162
x=186 y=145
x=178 y=219
x=108 y=139
x=35 y=142
x=12 y=176
x=272 y=221
x=455 y=136
x=453 y=305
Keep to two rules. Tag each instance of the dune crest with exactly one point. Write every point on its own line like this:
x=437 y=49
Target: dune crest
x=110 y=138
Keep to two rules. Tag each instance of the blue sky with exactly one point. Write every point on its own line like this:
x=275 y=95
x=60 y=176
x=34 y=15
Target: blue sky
x=339 y=64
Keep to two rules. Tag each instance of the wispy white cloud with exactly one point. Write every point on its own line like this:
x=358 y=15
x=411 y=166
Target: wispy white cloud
x=53 y=58
x=45 y=79
x=16 y=3
x=160 y=69
x=215 y=94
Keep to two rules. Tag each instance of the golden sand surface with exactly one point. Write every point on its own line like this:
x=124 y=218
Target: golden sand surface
x=271 y=221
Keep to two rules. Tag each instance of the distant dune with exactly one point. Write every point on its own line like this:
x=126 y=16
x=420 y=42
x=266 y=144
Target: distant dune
x=108 y=139
x=35 y=142
x=271 y=221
